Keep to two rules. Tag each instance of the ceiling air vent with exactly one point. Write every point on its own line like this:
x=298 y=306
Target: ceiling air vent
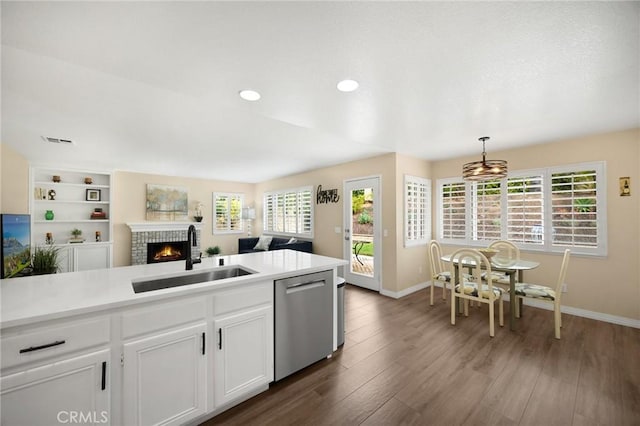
x=57 y=140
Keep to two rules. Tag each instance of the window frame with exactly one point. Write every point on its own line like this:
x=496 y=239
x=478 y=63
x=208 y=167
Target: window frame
x=306 y=192
x=547 y=245
x=229 y=196
x=422 y=215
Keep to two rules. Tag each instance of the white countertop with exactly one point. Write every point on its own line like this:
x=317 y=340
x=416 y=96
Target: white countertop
x=33 y=299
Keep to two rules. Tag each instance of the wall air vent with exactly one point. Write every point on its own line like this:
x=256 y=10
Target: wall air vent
x=57 y=140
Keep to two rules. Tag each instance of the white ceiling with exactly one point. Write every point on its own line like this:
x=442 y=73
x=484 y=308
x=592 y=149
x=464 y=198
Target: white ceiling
x=152 y=86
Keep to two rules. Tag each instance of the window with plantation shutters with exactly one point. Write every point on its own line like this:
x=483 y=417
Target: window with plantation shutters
x=289 y=212
x=525 y=209
x=486 y=217
x=417 y=205
x=543 y=209
x=227 y=213
x=575 y=208
x=453 y=210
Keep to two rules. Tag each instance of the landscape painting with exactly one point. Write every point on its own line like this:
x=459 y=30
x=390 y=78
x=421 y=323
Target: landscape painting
x=16 y=244
x=167 y=203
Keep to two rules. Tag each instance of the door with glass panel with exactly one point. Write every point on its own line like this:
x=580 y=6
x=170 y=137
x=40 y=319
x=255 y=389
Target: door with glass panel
x=362 y=245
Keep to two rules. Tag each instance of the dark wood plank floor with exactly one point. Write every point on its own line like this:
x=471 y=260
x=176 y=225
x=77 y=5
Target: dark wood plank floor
x=404 y=363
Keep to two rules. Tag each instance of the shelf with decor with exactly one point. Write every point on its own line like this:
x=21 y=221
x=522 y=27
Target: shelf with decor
x=71 y=208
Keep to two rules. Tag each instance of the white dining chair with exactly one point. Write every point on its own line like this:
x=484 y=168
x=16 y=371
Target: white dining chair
x=546 y=294
x=439 y=273
x=508 y=252
x=473 y=288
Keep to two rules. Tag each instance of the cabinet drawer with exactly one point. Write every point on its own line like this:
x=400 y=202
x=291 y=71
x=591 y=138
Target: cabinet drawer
x=45 y=342
x=242 y=298
x=162 y=316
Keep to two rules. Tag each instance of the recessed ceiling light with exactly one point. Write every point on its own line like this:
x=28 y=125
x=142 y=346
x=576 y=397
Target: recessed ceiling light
x=347 y=85
x=249 y=95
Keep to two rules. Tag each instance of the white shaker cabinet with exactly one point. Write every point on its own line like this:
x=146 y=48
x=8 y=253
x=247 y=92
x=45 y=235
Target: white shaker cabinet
x=243 y=349
x=243 y=355
x=164 y=362
x=84 y=257
x=165 y=377
x=72 y=390
x=56 y=374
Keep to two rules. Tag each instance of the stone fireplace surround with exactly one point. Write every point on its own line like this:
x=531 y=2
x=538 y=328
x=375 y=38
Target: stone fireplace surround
x=157 y=232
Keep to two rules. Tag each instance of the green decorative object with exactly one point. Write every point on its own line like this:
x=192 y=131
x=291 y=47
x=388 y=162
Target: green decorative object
x=49 y=215
x=45 y=259
x=212 y=251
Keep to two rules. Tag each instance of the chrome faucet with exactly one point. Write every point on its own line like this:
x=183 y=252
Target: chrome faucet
x=191 y=240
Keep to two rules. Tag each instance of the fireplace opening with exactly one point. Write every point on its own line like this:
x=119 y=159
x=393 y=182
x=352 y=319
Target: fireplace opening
x=166 y=251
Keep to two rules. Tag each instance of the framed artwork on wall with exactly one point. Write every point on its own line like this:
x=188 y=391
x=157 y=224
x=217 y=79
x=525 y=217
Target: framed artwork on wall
x=167 y=203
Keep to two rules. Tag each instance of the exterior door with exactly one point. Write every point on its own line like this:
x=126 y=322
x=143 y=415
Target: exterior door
x=362 y=222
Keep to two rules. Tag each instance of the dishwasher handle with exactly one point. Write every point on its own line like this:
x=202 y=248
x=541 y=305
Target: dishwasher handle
x=294 y=288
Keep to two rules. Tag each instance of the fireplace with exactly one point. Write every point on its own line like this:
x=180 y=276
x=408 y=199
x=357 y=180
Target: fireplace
x=166 y=251
x=145 y=233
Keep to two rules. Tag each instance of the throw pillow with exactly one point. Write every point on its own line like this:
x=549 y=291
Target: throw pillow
x=263 y=243
x=292 y=240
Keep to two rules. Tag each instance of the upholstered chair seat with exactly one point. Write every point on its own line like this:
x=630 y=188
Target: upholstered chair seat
x=471 y=288
x=546 y=294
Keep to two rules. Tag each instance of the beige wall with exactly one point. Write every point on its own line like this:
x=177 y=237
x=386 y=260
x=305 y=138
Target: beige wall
x=610 y=284
x=411 y=262
x=128 y=205
x=14 y=181
x=329 y=216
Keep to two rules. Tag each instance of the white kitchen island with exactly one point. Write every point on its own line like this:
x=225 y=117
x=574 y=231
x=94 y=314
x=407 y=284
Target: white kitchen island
x=84 y=348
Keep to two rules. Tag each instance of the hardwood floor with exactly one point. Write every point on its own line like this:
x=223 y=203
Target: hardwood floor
x=404 y=363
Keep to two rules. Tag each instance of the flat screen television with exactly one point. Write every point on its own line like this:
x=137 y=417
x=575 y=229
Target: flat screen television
x=16 y=244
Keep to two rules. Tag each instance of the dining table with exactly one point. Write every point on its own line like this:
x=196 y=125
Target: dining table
x=510 y=268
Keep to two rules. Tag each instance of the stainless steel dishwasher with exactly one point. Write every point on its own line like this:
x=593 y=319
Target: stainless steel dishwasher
x=303 y=321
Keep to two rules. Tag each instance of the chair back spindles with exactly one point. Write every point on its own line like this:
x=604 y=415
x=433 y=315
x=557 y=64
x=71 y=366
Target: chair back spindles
x=507 y=251
x=472 y=287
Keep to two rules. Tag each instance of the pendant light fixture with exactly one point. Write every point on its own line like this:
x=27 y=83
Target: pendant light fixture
x=485 y=169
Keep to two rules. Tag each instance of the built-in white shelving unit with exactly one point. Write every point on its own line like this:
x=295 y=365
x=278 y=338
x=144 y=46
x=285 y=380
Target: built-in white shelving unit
x=73 y=202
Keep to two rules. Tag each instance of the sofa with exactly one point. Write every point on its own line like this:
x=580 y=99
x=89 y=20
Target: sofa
x=246 y=245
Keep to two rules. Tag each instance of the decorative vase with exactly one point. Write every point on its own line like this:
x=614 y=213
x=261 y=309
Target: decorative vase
x=49 y=215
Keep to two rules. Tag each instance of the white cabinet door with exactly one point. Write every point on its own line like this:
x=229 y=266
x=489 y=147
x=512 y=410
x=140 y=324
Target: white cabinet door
x=88 y=257
x=243 y=353
x=73 y=390
x=164 y=377
x=65 y=259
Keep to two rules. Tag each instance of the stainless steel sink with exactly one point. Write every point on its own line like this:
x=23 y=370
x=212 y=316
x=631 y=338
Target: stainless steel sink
x=150 y=284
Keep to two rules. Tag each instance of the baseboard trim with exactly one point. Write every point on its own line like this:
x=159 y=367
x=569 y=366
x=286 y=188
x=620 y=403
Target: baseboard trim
x=405 y=292
x=598 y=316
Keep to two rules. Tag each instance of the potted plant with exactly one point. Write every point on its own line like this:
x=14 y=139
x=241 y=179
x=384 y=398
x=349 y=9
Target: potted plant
x=45 y=259
x=76 y=233
x=212 y=251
